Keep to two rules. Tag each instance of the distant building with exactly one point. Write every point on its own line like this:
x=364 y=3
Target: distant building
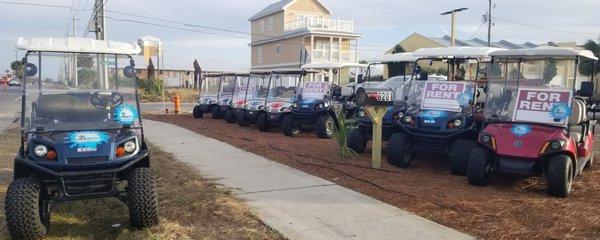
x=290 y=33
x=151 y=47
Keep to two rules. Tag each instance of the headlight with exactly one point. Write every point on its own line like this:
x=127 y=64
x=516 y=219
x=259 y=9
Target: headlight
x=294 y=105
x=245 y=105
x=408 y=119
x=556 y=145
x=267 y=108
x=130 y=146
x=362 y=114
x=285 y=109
x=320 y=105
x=400 y=115
x=488 y=140
x=40 y=150
x=458 y=123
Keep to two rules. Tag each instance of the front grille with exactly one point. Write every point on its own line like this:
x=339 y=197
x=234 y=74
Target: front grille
x=87 y=160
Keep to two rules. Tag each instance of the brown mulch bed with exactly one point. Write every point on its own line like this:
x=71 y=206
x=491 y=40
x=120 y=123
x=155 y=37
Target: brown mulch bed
x=506 y=209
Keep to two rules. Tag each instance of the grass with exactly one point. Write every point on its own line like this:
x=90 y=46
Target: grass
x=185 y=94
x=190 y=207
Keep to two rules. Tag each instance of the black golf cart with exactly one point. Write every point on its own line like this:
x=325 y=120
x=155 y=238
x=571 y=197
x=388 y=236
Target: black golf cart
x=210 y=87
x=82 y=134
x=246 y=88
x=281 y=96
x=440 y=116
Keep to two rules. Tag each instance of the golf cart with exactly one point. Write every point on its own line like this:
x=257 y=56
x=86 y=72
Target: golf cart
x=359 y=136
x=440 y=116
x=536 y=121
x=255 y=102
x=281 y=96
x=210 y=88
x=246 y=88
x=81 y=134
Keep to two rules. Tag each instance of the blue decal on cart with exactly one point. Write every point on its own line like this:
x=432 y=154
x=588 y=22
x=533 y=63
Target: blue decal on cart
x=560 y=111
x=86 y=141
x=125 y=114
x=430 y=117
x=465 y=98
x=520 y=130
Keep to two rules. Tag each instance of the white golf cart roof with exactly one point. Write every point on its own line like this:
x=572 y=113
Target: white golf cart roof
x=76 y=45
x=328 y=65
x=456 y=52
x=546 y=51
x=396 y=57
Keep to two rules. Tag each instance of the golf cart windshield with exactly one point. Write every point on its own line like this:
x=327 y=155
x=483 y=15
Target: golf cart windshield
x=79 y=91
x=283 y=87
x=529 y=87
x=227 y=86
x=241 y=89
x=453 y=94
x=210 y=86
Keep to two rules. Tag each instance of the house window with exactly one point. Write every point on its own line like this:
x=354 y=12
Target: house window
x=271 y=23
x=278 y=50
x=262 y=25
x=260 y=54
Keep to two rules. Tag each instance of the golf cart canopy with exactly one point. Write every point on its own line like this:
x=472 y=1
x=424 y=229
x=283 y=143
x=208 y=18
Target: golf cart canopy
x=327 y=65
x=76 y=45
x=236 y=74
x=293 y=71
x=396 y=57
x=547 y=51
x=456 y=52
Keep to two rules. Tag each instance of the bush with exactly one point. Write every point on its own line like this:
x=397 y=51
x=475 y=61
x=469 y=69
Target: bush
x=341 y=134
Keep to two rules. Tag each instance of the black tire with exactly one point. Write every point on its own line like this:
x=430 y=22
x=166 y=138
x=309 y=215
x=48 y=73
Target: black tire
x=230 y=116
x=357 y=140
x=479 y=167
x=399 y=151
x=325 y=127
x=24 y=210
x=560 y=176
x=197 y=112
x=459 y=155
x=289 y=126
x=263 y=123
x=216 y=112
x=142 y=198
x=242 y=120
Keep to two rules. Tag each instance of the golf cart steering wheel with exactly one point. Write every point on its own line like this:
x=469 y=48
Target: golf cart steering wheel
x=106 y=100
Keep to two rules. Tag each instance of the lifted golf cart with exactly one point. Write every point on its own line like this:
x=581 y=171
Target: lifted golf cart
x=82 y=135
x=359 y=136
x=440 y=116
x=246 y=88
x=208 y=99
x=536 y=123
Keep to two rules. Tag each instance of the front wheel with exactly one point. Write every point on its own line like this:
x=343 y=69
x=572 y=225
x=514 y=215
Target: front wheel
x=197 y=112
x=479 y=167
x=357 y=140
x=230 y=116
x=560 y=176
x=242 y=120
x=142 y=198
x=325 y=127
x=289 y=126
x=399 y=150
x=263 y=123
x=26 y=217
x=459 y=156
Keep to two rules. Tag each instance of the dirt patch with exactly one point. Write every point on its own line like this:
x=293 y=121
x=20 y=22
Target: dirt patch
x=506 y=209
x=190 y=207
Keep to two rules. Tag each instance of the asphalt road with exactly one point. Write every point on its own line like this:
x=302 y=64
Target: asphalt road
x=10 y=106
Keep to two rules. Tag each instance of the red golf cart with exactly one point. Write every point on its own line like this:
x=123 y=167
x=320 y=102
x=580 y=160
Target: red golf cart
x=535 y=119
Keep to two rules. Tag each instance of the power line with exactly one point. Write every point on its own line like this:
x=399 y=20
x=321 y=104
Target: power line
x=543 y=28
x=476 y=31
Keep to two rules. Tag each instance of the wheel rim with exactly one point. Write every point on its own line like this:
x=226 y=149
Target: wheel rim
x=329 y=126
x=569 y=177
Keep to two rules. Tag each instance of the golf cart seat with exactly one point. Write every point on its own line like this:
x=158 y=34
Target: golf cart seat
x=577 y=118
x=67 y=107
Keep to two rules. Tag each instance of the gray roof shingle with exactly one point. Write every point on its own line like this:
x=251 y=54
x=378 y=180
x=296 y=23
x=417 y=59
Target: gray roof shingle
x=273 y=8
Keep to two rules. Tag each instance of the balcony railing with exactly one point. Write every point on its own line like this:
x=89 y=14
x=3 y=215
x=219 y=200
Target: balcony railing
x=320 y=24
x=335 y=56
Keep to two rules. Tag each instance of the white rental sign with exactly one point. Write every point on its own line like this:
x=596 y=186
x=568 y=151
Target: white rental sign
x=445 y=96
x=549 y=106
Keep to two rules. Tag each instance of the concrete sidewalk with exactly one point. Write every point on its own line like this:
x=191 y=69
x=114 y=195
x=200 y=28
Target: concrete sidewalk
x=298 y=205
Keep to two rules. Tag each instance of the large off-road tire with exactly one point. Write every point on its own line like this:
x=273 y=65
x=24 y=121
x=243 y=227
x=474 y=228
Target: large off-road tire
x=357 y=140
x=24 y=210
x=325 y=127
x=197 y=112
x=289 y=126
x=263 y=122
x=216 y=112
x=480 y=166
x=242 y=120
x=230 y=116
x=142 y=198
x=459 y=155
x=399 y=151
x=560 y=176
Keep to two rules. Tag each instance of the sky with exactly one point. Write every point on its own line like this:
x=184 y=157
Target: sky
x=382 y=22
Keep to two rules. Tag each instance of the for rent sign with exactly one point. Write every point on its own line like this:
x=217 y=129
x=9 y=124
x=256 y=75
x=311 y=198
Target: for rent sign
x=550 y=106
x=314 y=90
x=446 y=96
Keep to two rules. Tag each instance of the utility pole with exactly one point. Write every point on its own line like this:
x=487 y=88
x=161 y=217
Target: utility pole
x=489 y=20
x=74 y=65
x=453 y=31
x=100 y=30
